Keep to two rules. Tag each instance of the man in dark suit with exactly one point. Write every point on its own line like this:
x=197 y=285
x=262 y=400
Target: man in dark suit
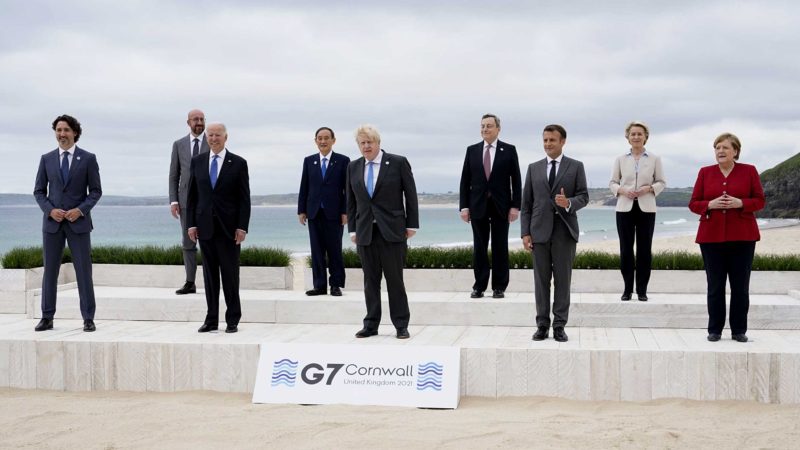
x=490 y=196
x=555 y=189
x=218 y=214
x=183 y=150
x=321 y=202
x=67 y=188
x=382 y=214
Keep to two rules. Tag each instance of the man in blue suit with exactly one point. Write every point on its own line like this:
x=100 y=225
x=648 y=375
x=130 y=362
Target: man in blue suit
x=321 y=202
x=67 y=188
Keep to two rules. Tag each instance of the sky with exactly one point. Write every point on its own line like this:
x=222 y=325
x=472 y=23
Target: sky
x=422 y=72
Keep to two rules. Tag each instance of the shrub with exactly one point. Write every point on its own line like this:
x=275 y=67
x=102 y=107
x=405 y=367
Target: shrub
x=30 y=257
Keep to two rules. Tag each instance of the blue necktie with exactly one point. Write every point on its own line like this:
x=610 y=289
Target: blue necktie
x=324 y=166
x=65 y=167
x=370 y=179
x=213 y=171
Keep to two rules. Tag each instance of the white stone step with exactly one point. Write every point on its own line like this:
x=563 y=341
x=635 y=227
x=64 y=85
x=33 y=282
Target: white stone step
x=631 y=364
x=769 y=311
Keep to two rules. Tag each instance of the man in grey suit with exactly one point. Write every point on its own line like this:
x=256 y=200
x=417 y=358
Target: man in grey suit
x=382 y=214
x=67 y=188
x=183 y=150
x=554 y=191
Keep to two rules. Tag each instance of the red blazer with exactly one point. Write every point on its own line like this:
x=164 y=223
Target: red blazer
x=722 y=225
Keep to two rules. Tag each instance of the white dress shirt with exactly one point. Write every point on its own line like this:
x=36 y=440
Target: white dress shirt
x=221 y=158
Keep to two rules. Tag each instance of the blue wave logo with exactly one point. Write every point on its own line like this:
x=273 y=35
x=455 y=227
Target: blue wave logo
x=430 y=376
x=284 y=372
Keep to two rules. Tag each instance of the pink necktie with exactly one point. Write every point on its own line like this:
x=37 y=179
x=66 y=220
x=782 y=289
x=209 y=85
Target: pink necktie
x=487 y=161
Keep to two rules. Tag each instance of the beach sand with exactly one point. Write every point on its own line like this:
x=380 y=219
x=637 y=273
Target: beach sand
x=39 y=419
x=781 y=241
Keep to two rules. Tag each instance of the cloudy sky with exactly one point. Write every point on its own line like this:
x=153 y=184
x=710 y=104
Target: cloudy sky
x=423 y=72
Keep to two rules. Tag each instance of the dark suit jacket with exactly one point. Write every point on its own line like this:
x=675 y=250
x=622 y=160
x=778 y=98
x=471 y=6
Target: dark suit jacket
x=82 y=189
x=504 y=183
x=179 y=164
x=538 y=200
x=723 y=225
x=315 y=191
x=394 y=188
x=229 y=201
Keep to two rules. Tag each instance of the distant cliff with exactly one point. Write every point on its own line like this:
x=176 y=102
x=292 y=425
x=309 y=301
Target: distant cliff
x=782 y=189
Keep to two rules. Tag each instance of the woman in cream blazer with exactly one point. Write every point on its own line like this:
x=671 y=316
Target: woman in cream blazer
x=636 y=179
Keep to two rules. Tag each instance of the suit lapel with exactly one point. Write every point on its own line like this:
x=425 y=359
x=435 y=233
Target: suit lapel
x=76 y=160
x=224 y=169
x=331 y=162
x=565 y=162
x=385 y=164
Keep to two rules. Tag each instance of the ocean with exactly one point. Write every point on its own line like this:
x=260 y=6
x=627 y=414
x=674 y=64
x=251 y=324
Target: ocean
x=277 y=226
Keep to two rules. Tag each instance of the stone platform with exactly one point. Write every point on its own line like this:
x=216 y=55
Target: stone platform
x=636 y=364
x=688 y=310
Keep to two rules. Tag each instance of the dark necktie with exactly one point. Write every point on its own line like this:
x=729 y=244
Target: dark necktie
x=65 y=167
x=551 y=179
x=487 y=161
x=196 y=148
x=213 y=171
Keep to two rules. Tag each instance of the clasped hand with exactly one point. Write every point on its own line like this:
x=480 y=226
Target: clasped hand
x=725 y=201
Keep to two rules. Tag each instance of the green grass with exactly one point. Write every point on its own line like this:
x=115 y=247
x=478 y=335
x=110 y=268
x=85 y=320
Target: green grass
x=30 y=257
x=461 y=258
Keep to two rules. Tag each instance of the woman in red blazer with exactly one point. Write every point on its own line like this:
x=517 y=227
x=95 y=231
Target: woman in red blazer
x=726 y=196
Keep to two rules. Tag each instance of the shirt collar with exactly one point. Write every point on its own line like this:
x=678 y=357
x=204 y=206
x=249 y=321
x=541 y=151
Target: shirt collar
x=71 y=150
x=199 y=137
x=493 y=143
x=329 y=156
x=377 y=159
x=557 y=160
x=644 y=153
x=221 y=154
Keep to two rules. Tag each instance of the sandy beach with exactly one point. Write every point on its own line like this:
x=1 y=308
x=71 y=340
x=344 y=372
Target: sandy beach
x=42 y=420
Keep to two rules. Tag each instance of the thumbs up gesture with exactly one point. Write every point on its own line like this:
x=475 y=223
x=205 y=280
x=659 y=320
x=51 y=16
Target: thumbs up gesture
x=561 y=199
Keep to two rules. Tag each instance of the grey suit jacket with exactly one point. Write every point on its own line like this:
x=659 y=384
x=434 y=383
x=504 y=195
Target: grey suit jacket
x=179 y=168
x=393 y=205
x=538 y=200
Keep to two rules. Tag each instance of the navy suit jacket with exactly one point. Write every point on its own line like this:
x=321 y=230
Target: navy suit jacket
x=82 y=189
x=504 y=183
x=393 y=206
x=228 y=201
x=330 y=191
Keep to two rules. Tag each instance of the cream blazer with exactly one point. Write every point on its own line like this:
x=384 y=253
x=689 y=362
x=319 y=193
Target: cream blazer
x=624 y=175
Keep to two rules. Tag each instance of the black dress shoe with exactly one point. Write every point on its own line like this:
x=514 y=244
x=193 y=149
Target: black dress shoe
x=207 y=327
x=336 y=291
x=559 y=334
x=314 y=292
x=366 y=332
x=739 y=337
x=44 y=324
x=713 y=337
x=402 y=333
x=541 y=333
x=642 y=297
x=476 y=294
x=88 y=325
x=232 y=328
x=625 y=296
x=497 y=293
x=188 y=288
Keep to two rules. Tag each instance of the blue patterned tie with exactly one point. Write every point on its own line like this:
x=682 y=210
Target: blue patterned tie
x=213 y=171
x=65 y=167
x=324 y=166
x=370 y=179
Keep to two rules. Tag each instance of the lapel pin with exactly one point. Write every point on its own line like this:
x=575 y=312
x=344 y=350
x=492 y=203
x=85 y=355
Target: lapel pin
x=78 y=157
x=387 y=163
x=315 y=163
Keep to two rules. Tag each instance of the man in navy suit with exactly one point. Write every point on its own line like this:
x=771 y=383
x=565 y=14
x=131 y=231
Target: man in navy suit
x=218 y=214
x=489 y=197
x=321 y=202
x=67 y=188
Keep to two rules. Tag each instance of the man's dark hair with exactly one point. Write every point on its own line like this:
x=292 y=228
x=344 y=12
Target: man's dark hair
x=72 y=122
x=557 y=128
x=333 y=136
